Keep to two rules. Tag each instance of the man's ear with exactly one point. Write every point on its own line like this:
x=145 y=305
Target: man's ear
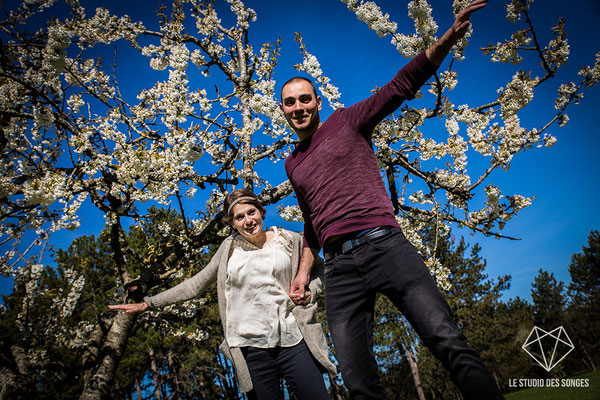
x=319 y=102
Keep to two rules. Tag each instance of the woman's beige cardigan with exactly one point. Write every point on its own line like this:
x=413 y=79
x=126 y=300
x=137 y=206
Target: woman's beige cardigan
x=217 y=268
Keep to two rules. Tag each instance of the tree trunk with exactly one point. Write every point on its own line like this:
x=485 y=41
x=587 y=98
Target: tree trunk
x=15 y=384
x=335 y=388
x=174 y=373
x=138 y=388
x=92 y=348
x=414 y=370
x=244 y=95
x=589 y=359
x=20 y=358
x=97 y=386
x=586 y=355
x=155 y=374
x=495 y=377
x=452 y=389
x=433 y=395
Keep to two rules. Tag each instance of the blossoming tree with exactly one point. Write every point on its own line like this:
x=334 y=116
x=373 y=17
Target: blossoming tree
x=70 y=135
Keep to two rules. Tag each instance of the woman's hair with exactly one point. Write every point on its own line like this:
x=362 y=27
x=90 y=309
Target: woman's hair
x=241 y=196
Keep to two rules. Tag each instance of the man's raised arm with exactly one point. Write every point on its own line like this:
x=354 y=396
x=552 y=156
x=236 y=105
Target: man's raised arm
x=440 y=49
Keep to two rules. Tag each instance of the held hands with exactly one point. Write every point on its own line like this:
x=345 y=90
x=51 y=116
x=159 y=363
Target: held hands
x=298 y=292
x=301 y=301
x=131 y=307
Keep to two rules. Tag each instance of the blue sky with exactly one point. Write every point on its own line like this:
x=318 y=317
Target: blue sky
x=563 y=178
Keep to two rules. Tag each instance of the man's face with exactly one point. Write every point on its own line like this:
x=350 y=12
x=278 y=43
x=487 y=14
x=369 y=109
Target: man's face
x=301 y=108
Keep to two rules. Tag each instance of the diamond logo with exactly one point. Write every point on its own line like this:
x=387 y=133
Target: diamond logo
x=548 y=348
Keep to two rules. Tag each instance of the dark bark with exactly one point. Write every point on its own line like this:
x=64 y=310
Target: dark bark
x=414 y=370
x=98 y=385
x=335 y=388
x=155 y=374
x=138 y=389
x=174 y=374
x=92 y=348
x=15 y=382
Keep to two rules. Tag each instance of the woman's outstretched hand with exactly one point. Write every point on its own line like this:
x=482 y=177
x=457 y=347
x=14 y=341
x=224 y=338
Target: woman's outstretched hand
x=131 y=307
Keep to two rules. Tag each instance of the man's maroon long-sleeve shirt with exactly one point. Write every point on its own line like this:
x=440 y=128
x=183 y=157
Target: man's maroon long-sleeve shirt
x=334 y=172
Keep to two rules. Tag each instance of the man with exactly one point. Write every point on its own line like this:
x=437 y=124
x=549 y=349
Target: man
x=348 y=213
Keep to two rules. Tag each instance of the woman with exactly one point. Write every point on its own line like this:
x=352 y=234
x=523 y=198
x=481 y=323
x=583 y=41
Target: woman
x=267 y=335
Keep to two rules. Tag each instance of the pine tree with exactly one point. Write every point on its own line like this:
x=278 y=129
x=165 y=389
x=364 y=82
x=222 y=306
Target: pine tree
x=584 y=269
x=584 y=306
x=548 y=300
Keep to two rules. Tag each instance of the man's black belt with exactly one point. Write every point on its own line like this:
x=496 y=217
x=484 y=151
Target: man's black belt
x=361 y=238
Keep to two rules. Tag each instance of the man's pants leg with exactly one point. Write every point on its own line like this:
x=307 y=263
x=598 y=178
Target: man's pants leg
x=392 y=266
x=350 y=307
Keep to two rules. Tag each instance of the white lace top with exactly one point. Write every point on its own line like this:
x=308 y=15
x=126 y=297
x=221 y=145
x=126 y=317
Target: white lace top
x=258 y=306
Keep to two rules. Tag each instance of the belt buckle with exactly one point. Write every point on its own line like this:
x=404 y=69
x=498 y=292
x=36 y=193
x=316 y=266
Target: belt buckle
x=364 y=237
x=347 y=246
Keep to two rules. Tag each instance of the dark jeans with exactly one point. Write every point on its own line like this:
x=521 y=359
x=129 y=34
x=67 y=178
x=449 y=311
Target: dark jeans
x=392 y=266
x=295 y=364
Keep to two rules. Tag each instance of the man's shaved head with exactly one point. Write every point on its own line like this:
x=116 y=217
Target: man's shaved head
x=296 y=79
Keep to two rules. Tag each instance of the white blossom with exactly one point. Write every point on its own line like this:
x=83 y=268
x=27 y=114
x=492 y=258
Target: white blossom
x=515 y=7
x=557 y=51
x=563 y=120
x=567 y=92
x=45 y=190
x=179 y=57
x=420 y=12
x=507 y=52
x=290 y=213
x=549 y=140
x=370 y=13
x=517 y=94
x=591 y=74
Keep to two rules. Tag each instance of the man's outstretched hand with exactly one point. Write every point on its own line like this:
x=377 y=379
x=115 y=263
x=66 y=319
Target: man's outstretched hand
x=438 y=51
x=463 y=19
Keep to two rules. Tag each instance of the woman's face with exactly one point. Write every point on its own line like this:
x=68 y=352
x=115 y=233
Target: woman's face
x=247 y=220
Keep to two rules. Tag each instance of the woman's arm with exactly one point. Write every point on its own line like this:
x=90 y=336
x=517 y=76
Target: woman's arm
x=189 y=288
x=186 y=290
